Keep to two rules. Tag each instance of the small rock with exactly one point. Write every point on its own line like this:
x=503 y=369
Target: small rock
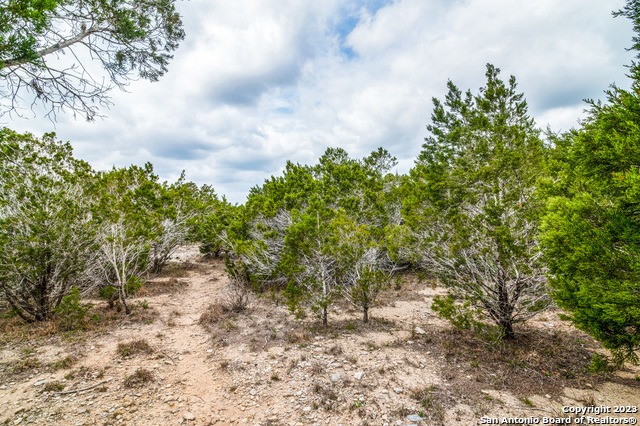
x=189 y=416
x=41 y=382
x=336 y=377
x=358 y=375
x=420 y=331
x=415 y=418
x=547 y=396
x=253 y=392
x=398 y=390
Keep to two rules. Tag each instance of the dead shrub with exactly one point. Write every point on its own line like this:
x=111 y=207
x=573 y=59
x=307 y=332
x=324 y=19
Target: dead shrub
x=236 y=300
x=213 y=314
x=139 y=378
x=134 y=347
x=297 y=337
x=238 y=297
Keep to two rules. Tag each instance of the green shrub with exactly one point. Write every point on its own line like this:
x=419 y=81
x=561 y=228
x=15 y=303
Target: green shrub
x=71 y=313
x=462 y=316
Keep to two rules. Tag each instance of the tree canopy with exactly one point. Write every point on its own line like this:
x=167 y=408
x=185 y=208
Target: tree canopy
x=470 y=210
x=47 y=46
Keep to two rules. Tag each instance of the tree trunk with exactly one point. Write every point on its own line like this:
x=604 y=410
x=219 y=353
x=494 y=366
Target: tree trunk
x=124 y=302
x=325 y=322
x=507 y=328
x=365 y=316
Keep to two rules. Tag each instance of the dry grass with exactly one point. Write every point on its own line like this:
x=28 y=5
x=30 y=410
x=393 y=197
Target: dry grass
x=433 y=402
x=297 y=336
x=213 y=314
x=134 y=347
x=235 y=301
x=156 y=288
x=536 y=362
x=53 y=387
x=64 y=363
x=139 y=378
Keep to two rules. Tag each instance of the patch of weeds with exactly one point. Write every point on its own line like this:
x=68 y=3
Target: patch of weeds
x=53 y=387
x=372 y=346
x=233 y=388
x=296 y=337
x=229 y=325
x=134 y=347
x=64 y=363
x=25 y=364
x=28 y=351
x=143 y=304
x=351 y=326
x=139 y=378
x=527 y=402
x=274 y=376
x=431 y=399
x=317 y=368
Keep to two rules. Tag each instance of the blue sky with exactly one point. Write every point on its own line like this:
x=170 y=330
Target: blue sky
x=259 y=82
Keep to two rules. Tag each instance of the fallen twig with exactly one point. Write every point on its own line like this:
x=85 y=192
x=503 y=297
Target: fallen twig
x=534 y=409
x=84 y=389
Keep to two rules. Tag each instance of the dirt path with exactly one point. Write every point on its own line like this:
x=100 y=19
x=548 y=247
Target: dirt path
x=264 y=367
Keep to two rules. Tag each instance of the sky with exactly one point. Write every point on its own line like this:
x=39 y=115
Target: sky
x=258 y=82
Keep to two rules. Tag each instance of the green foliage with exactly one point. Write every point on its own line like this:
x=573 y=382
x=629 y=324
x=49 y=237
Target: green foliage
x=46 y=233
x=591 y=231
x=128 y=38
x=292 y=231
x=600 y=364
x=471 y=214
x=462 y=316
x=70 y=313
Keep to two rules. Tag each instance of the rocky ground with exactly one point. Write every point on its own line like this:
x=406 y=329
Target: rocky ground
x=181 y=358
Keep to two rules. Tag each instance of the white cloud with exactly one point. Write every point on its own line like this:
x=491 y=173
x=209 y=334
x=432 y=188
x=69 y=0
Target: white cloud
x=259 y=82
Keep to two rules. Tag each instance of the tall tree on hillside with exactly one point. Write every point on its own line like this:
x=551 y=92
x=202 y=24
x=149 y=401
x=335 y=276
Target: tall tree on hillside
x=46 y=49
x=471 y=218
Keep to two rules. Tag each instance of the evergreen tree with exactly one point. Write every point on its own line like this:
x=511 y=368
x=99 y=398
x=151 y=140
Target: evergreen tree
x=471 y=217
x=591 y=230
x=46 y=227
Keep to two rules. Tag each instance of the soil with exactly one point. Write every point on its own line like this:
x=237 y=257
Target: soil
x=186 y=356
